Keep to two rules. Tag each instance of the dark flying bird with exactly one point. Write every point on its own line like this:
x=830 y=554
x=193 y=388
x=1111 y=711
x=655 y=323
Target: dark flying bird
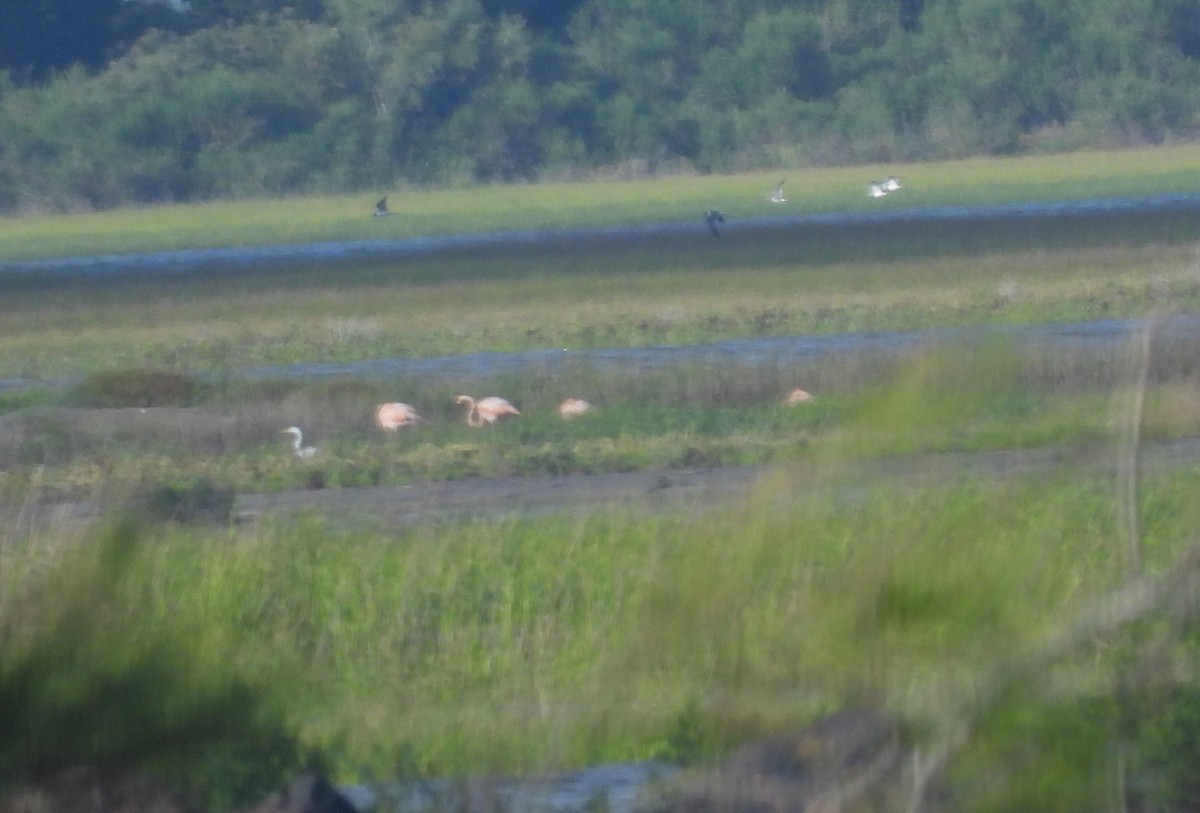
x=381 y=209
x=712 y=217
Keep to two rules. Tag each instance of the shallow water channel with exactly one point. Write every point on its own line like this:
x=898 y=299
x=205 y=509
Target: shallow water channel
x=615 y=788
x=1100 y=335
x=759 y=351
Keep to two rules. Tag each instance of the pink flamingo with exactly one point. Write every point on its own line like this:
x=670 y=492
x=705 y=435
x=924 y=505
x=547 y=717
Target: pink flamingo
x=798 y=396
x=486 y=410
x=572 y=407
x=391 y=416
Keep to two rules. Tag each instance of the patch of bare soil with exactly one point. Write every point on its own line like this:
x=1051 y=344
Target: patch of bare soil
x=654 y=490
x=397 y=506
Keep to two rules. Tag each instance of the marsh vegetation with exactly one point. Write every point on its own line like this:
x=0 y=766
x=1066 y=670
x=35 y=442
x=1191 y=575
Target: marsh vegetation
x=516 y=644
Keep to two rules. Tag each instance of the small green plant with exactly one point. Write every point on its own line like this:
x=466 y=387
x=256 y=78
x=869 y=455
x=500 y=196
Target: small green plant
x=691 y=738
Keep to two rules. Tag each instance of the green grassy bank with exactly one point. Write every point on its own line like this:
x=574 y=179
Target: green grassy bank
x=600 y=203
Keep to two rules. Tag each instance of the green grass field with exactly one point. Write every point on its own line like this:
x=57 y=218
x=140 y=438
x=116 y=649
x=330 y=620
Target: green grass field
x=223 y=656
x=599 y=203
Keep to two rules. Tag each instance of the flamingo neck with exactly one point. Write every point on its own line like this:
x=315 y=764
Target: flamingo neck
x=473 y=418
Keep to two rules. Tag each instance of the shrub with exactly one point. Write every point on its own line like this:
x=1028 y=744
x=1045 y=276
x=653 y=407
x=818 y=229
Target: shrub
x=201 y=501
x=138 y=388
x=85 y=679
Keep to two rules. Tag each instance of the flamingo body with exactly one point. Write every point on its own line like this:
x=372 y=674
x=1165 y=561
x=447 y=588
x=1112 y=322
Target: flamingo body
x=392 y=416
x=486 y=410
x=573 y=407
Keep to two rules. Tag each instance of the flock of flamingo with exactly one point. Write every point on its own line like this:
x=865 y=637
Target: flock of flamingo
x=395 y=415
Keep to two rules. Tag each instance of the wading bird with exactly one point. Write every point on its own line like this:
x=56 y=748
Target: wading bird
x=486 y=410
x=712 y=217
x=381 y=209
x=892 y=184
x=777 y=195
x=573 y=407
x=298 y=442
x=875 y=189
x=798 y=396
x=391 y=416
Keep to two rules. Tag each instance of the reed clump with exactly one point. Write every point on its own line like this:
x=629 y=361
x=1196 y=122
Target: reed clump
x=137 y=388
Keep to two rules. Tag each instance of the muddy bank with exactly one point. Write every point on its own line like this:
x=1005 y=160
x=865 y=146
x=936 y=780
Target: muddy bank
x=685 y=490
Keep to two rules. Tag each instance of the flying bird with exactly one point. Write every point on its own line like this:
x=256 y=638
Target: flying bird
x=381 y=209
x=573 y=407
x=298 y=442
x=391 y=416
x=875 y=189
x=777 y=195
x=712 y=217
x=486 y=410
x=892 y=184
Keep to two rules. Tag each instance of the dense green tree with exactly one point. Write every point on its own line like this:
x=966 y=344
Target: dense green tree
x=209 y=12
x=145 y=100
x=546 y=16
x=41 y=36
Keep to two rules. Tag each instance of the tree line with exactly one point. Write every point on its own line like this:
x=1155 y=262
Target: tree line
x=106 y=103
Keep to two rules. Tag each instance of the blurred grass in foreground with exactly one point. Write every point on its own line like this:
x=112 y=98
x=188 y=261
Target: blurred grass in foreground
x=524 y=645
